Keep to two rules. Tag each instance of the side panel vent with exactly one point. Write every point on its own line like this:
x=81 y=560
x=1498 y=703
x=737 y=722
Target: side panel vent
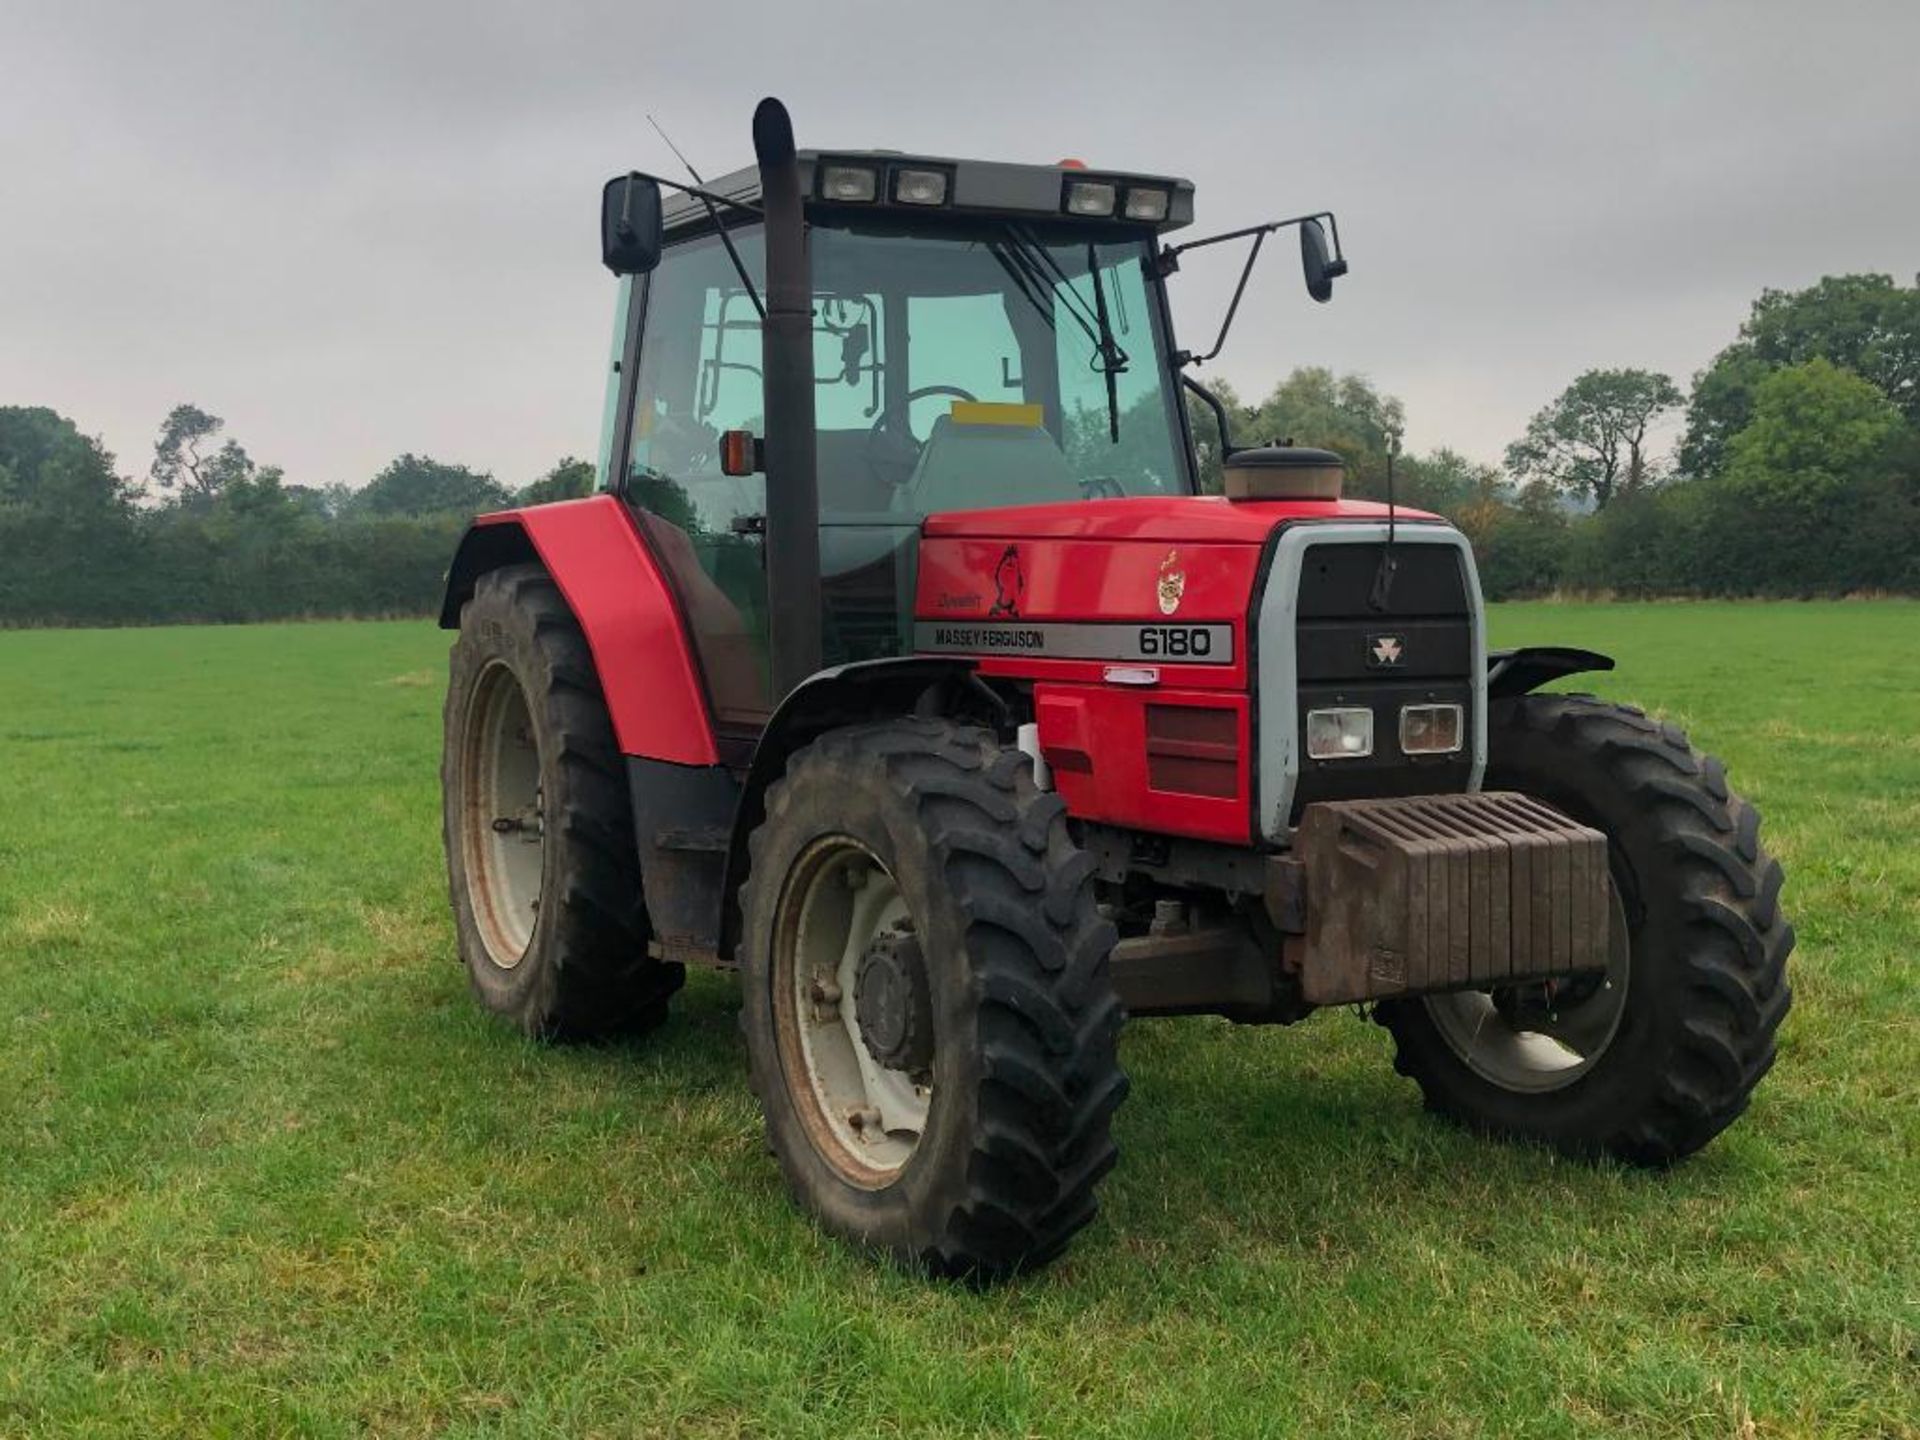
x=1193 y=750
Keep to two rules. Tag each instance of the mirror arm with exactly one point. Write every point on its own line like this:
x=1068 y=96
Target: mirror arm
x=1233 y=306
x=700 y=192
x=1169 y=251
x=707 y=198
x=1168 y=261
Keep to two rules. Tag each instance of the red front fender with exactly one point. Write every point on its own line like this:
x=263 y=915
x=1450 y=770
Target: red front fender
x=632 y=619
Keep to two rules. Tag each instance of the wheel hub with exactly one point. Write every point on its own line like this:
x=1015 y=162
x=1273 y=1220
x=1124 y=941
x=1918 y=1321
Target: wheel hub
x=1530 y=1039
x=844 y=915
x=894 y=1005
x=502 y=824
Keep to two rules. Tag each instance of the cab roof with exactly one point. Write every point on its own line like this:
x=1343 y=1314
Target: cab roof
x=974 y=187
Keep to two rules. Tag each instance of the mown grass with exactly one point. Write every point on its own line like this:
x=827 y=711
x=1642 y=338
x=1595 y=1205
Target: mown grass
x=265 y=1169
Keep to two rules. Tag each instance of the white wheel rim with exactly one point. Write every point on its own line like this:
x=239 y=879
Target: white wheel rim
x=1564 y=1046
x=865 y=1119
x=502 y=820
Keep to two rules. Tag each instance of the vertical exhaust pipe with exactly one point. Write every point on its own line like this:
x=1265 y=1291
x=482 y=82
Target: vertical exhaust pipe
x=786 y=368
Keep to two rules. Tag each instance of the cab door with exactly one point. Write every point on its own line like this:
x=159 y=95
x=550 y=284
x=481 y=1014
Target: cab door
x=698 y=375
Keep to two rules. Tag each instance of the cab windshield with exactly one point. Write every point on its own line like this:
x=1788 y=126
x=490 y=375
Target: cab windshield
x=983 y=366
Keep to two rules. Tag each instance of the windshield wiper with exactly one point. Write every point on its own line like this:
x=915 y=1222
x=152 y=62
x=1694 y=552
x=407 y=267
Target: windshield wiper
x=1033 y=269
x=1113 y=358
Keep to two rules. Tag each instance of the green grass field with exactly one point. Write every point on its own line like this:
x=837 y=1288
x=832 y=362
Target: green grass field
x=265 y=1169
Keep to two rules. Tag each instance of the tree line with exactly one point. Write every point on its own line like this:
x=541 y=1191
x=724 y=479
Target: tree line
x=210 y=534
x=1796 y=472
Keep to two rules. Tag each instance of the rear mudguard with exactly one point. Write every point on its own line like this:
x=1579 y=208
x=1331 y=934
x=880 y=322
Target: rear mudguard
x=1516 y=672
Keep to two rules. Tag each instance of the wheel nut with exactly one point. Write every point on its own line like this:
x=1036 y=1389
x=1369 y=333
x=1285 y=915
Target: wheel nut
x=863 y=1118
x=824 y=992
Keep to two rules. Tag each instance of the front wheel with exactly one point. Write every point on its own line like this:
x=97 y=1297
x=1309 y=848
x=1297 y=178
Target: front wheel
x=1652 y=1058
x=929 y=1019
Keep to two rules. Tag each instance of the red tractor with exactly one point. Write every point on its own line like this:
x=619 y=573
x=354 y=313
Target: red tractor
x=901 y=668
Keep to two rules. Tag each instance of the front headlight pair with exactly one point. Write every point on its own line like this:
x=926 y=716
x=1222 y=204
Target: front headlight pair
x=1346 y=732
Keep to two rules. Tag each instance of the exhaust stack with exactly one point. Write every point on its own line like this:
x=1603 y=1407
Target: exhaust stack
x=786 y=367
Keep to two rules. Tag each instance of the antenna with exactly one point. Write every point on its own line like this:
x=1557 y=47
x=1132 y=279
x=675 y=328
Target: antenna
x=675 y=149
x=739 y=266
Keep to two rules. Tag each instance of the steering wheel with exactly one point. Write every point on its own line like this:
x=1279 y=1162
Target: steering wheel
x=1102 y=487
x=890 y=455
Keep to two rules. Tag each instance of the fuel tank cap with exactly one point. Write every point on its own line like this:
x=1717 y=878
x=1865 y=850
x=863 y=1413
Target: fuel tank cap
x=1284 y=472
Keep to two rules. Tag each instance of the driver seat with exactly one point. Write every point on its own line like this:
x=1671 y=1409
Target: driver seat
x=983 y=467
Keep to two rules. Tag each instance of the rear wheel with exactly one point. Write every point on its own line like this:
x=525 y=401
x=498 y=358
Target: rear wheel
x=1654 y=1057
x=542 y=868
x=929 y=1017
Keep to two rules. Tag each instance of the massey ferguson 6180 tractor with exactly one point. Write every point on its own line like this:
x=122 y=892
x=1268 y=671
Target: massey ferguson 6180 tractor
x=900 y=667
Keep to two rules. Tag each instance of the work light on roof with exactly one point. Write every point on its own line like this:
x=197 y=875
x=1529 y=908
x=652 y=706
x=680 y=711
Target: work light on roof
x=920 y=187
x=1146 y=202
x=852 y=184
x=1091 y=197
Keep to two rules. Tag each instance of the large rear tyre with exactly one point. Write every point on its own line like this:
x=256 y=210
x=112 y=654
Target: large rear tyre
x=1651 y=1060
x=929 y=1017
x=542 y=867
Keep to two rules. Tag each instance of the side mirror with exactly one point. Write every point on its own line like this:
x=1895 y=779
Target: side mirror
x=630 y=227
x=1320 y=271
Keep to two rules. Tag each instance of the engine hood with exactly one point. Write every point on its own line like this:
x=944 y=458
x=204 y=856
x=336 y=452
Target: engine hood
x=1170 y=519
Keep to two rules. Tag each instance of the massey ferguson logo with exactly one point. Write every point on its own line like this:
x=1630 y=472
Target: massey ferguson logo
x=1384 y=651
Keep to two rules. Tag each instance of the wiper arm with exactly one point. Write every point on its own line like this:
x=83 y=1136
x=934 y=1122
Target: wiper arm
x=1039 y=267
x=1113 y=358
x=1024 y=281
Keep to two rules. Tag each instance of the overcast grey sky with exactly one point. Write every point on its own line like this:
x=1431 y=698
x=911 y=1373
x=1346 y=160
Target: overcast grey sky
x=360 y=228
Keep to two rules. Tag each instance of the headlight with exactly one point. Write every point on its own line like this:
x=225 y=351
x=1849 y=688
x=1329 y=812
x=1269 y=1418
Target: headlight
x=1431 y=729
x=1343 y=734
x=1091 y=197
x=853 y=183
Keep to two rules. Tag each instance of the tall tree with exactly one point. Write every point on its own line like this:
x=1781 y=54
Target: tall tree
x=66 y=520
x=1592 y=440
x=1817 y=430
x=1342 y=413
x=1863 y=323
x=186 y=462
x=569 y=479
x=419 y=485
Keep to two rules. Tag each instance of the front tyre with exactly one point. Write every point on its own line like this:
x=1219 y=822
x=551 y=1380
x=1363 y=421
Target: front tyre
x=1652 y=1059
x=929 y=1018
x=542 y=867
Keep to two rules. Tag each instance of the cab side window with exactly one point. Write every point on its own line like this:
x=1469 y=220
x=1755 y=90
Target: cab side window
x=699 y=375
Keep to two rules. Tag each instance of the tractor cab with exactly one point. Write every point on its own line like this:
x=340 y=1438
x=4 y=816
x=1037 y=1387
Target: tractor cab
x=980 y=336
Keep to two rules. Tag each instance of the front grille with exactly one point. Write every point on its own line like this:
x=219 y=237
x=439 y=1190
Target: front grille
x=1416 y=651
